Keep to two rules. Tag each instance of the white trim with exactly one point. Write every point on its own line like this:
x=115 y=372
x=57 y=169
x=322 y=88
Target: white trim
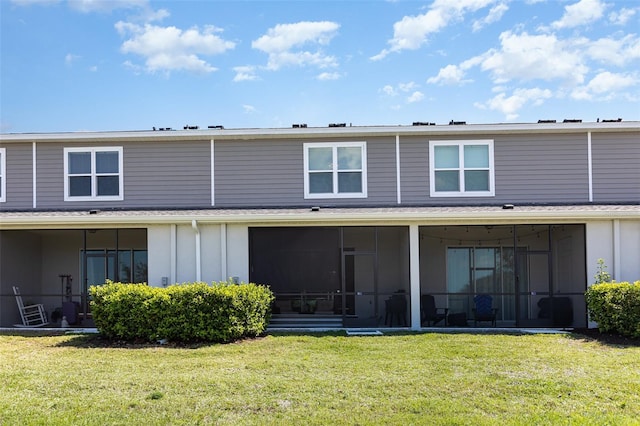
x=94 y=175
x=3 y=175
x=461 y=144
x=334 y=146
x=398 y=185
x=590 y=166
x=213 y=180
x=34 y=172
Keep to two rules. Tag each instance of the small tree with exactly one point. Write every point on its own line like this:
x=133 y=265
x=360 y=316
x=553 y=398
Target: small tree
x=602 y=276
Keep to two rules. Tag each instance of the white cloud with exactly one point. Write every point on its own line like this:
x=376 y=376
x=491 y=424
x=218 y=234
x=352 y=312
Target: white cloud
x=510 y=105
x=389 y=90
x=170 y=48
x=34 y=2
x=281 y=42
x=580 y=13
x=93 y=68
x=621 y=17
x=606 y=86
x=105 y=6
x=416 y=96
x=248 y=109
x=534 y=57
x=495 y=14
x=245 y=73
x=450 y=74
x=325 y=76
x=617 y=52
x=70 y=58
x=411 y=32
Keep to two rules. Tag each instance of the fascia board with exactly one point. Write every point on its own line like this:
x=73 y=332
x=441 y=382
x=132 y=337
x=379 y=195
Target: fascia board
x=106 y=220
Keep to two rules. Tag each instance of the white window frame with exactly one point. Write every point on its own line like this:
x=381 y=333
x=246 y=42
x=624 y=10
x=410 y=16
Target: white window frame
x=335 y=193
x=94 y=175
x=3 y=175
x=461 y=168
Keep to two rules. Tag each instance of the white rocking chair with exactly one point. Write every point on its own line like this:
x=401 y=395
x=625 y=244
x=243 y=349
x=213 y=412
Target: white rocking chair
x=32 y=315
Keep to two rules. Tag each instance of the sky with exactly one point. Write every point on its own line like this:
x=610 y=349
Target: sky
x=103 y=65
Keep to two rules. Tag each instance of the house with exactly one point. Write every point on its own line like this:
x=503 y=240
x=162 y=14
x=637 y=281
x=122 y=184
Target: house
x=340 y=221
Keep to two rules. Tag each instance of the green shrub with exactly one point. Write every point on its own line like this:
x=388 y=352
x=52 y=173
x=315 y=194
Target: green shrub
x=615 y=307
x=191 y=312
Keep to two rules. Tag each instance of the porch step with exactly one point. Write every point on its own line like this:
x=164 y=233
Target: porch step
x=305 y=321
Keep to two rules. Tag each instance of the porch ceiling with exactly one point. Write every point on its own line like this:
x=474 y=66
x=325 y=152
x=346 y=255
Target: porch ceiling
x=362 y=216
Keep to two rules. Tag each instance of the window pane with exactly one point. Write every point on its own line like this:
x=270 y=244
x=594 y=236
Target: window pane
x=0 y=186
x=476 y=156
x=446 y=157
x=124 y=266
x=108 y=185
x=320 y=183
x=79 y=162
x=106 y=162
x=476 y=180
x=350 y=158
x=320 y=158
x=140 y=266
x=349 y=182
x=80 y=186
x=447 y=180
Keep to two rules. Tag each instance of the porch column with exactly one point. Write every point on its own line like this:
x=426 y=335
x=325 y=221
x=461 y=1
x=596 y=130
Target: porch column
x=414 y=275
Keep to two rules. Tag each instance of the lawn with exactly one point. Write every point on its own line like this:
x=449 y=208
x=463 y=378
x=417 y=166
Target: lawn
x=321 y=379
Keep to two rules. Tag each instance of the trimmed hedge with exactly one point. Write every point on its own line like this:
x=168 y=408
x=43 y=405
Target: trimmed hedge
x=615 y=307
x=190 y=312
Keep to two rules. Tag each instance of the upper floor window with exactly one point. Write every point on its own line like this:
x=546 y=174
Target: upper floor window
x=3 y=175
x=93 y=174
x=461 y=168
x=335 y=170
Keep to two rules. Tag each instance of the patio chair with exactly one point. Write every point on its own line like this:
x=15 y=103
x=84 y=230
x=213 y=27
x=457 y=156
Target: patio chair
x=32 y=315
x=396 y=308
x=484 y=311
x=430 y=315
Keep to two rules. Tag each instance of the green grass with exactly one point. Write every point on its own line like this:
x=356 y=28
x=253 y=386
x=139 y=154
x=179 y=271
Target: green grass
x=322 y=379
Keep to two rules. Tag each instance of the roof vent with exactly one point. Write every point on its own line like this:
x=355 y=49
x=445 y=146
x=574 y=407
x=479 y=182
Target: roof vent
x=299 y=126
x=546 y=121
x=618 y=120
x=216 y=127
x=457 y=123
x=423 y=123
x=571 y=120
x=337 y=124
x=163 y=128
x=187 y=127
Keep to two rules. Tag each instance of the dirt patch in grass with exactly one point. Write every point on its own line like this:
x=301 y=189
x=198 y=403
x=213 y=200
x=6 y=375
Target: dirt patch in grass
x=606 y=338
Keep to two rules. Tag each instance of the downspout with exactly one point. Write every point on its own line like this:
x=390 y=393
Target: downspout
x=398 y=184
x=194 y=225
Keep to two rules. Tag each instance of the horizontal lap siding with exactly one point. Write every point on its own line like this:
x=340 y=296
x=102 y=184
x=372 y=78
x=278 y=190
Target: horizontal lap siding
x=542 y=169
x=616 y=167
x=19 y=176
x=156 y=174
x=270 y=173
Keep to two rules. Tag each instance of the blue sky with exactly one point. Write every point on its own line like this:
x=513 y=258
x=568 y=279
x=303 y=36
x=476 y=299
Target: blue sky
x=75 y=65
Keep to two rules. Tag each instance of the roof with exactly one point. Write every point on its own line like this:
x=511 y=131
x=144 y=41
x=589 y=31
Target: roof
x=309 y=132
x=324 y=215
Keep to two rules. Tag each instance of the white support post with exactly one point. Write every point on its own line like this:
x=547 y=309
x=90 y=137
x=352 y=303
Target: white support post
x=194 y=225
x=414 y=274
